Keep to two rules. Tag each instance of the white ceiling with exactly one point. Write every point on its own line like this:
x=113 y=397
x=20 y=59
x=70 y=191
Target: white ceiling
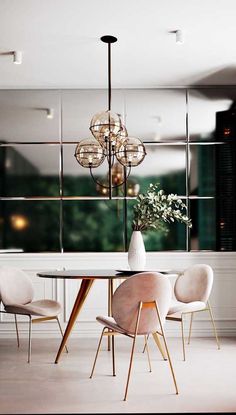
x=61 y=43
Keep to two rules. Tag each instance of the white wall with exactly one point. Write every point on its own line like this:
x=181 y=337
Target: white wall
x=223 y=297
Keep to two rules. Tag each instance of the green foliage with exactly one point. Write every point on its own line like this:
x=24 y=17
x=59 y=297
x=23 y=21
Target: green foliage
x=154 y=209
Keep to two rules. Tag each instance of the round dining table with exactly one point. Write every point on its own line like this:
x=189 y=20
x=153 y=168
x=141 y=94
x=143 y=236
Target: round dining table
x=88 y=276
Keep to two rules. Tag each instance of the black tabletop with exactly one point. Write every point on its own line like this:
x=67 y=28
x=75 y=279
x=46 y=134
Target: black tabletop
x=82 y=273
x=94 y=273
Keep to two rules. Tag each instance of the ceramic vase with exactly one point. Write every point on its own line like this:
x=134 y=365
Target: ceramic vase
x=137 y=253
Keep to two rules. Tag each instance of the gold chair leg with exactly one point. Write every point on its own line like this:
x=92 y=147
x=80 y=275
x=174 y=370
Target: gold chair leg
x=17 y=332
x=190 y=328
x=60 y=328
x=113 y=355
x=132 y=351
x=144 y=347
x=182 y=332
x=167 y=351
x=213 y=324
x=148 y=355
x=159 y=345
x=110 y=294
x=98 y=348
x=29 y=345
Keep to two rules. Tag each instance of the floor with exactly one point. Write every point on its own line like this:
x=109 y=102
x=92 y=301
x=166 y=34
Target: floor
x=207 y=380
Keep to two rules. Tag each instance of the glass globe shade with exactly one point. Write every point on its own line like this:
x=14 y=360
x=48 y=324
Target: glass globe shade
x=132 y=188
x=131 y=152
x=89 y=153
x=117 y=174
x=105 y=125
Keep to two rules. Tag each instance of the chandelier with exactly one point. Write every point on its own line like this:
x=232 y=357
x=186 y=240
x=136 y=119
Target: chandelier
x=110 y=141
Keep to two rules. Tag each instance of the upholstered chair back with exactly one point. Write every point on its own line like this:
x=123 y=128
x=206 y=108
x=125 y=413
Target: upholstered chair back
x=145 y=287
x=15 y=286
x=194 y=284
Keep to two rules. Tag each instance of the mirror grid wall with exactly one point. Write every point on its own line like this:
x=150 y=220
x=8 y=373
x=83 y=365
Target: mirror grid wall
x=49 y=203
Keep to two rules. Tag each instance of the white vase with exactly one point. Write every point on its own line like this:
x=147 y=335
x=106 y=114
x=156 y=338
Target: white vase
x=136 y=253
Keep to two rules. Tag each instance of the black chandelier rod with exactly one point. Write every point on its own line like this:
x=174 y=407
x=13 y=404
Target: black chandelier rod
x=109 y=77
x=109 y=40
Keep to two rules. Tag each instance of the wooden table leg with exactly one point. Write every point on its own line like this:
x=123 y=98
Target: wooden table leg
x=85 y=286
x=110 y=294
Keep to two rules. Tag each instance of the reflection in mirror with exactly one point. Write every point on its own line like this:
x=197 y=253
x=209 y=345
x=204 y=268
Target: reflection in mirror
x=80 y=105
x=148 y=114
x=32 y=226
x=165 y=165
x=203 y=231
x=29 y=115
x=93 y=226
x=29 y=170
x=78 y=181
x=162 y=164
x=203 y=104
x=202 y=170
x=156 y=114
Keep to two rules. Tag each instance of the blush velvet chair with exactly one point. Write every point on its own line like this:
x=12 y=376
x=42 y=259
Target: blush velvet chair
x=192 y=289
x=16 y=294
x=139 y=307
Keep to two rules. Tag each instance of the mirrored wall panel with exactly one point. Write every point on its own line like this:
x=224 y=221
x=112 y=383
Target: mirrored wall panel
x=203 y=232
x=202 y=170
x=29 y=115
x=29 y=170
x=79 y=107
x=156 y=114
x=190 y=139
x=93 y=226
x=205 y=106
x=77 y=180
x=163 y=164
x=30 y=226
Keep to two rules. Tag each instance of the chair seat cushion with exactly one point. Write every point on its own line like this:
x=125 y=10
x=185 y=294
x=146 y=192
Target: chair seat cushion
x=110 y=323
x=45 y=308
x=179 y=307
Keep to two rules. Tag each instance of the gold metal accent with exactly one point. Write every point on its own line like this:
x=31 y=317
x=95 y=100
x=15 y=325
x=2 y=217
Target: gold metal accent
x=159 y=345
x=167 y=351
x=110 y=332
x=213 y=323
x=17 y=332
x=176 y=318
x=60 y=328
x=31 y=321
x=29 y=343
x=96 y=356
x=110 y=295
x=182 y=331
x=40 y=319
x=155 y=336
x=190 y=328
x=113 y=354
x=132 y=350
x=148 y=355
